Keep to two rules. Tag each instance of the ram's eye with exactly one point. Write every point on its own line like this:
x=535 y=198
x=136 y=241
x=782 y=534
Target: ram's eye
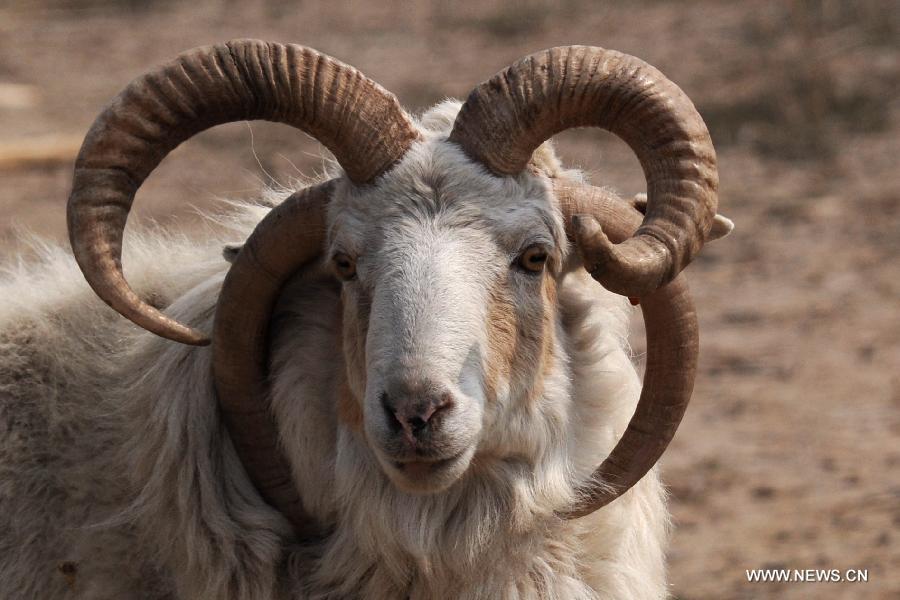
x=344 y=266
x=533 y=259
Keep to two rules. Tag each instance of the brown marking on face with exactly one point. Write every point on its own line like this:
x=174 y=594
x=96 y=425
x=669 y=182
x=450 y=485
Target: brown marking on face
x=518 y=350
x=355 y=325
x=502 y=333
x=534 y=352
x=349 y=412
x=549 y=319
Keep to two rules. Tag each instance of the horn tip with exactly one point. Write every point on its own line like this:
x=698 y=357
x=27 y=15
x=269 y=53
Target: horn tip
x=635 y=267
x=184 y=335
x=199 y=340
x=150 y=319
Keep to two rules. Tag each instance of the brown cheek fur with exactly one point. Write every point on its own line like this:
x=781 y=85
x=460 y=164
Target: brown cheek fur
x=349 y=411
x=502 y=332
x=549 y=318
x=537 y=344
x=355 y=327
x=513 y=350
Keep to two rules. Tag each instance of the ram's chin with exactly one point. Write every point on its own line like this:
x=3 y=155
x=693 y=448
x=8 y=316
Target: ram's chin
x=426 y=477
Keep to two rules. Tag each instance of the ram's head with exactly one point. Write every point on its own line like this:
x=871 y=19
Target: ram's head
x=450 y=248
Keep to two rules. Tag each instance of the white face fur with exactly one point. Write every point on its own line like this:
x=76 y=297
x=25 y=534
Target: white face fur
x=449 y=301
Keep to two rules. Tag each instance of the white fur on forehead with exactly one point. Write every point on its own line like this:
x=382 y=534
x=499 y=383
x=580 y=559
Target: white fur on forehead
x=437 y=178
x=439 y=119
x=436 y=174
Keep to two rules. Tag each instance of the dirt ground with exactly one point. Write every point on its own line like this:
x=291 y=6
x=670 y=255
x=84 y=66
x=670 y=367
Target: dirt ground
x=789 y=456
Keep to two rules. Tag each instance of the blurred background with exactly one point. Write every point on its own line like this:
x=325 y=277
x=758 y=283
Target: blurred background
x=789 y=456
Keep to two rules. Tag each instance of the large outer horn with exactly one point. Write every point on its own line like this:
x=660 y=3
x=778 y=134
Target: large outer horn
x=291 y=236
x=672 y=349
x=507 y=117
x=356 y=119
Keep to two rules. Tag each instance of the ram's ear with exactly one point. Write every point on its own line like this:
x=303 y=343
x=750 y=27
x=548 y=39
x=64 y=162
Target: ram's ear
x=230 y=252
x=721 y=226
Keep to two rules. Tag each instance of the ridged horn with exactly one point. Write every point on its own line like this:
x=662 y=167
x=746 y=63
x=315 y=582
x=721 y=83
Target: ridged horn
x=508 y=116
x=361 y=123
x=672 y=349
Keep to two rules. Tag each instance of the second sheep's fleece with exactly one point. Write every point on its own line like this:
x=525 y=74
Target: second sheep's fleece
x=413 y=374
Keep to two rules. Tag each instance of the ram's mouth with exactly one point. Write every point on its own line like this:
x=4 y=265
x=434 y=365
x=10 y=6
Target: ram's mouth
x=425 y=476
x=423 y=468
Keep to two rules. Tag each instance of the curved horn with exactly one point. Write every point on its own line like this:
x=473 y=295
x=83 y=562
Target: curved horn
x=356 y=119
x=507 y=117
x=672 y=350
x=291 y=236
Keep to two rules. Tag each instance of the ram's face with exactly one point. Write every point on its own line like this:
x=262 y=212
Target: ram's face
x=449 y=296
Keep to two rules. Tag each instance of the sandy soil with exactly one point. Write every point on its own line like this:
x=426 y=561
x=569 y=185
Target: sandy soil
x=790 y=454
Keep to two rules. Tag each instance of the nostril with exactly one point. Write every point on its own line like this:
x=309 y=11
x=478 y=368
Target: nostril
x=414 y=417
x=425 y=414
x=418 y=423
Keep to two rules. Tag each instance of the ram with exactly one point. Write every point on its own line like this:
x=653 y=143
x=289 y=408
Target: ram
x=416 y=388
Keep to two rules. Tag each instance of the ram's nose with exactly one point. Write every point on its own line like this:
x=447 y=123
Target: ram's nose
x=416 y=412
